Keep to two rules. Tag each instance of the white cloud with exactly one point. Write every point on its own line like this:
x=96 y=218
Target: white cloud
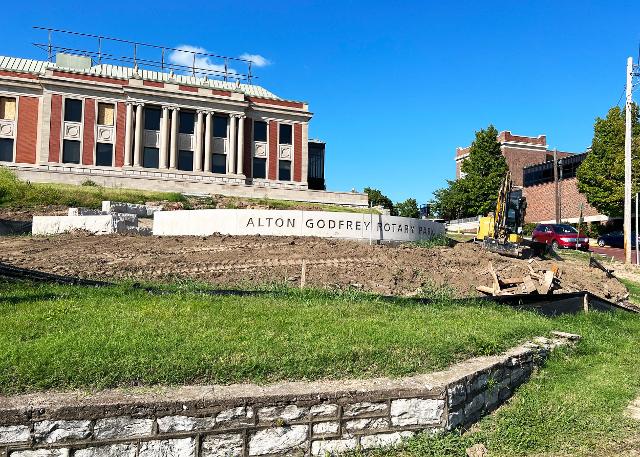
x=184 y=56
x=257 y=59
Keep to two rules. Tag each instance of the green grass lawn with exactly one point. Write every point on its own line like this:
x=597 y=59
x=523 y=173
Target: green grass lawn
x=65 y=337
x=15 y=193
x=572 y=407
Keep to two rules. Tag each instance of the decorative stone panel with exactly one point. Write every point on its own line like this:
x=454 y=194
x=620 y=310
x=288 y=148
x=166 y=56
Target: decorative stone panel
x=152 y=139
x=260 y=149
x=105 y=134
x=285 y=151
x=72 y=130
x=7 y=129
x=186 y=141
x=220 y=145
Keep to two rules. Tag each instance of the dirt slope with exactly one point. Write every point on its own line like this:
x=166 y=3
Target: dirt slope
x=249 y=260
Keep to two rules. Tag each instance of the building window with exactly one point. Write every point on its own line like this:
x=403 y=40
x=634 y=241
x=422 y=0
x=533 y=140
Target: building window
x=105 y=113
x=219 y=127
x=284 y=170
x=104 y=154
x=72 y=110
x=70 y=151
x=285 y=133
x=150 y=157
x=259 y=131
x=6 y=150
x=151 y=119
x=7 y=109
x=187 y=122
x=219 y=163
x=259 y=168
x=185 y=160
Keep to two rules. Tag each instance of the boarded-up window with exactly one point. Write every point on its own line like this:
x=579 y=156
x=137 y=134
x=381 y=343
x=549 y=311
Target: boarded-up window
x=7 y=108
x=105 y=113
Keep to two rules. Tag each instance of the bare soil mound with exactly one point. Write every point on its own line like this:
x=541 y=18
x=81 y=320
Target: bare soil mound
x=254 y=260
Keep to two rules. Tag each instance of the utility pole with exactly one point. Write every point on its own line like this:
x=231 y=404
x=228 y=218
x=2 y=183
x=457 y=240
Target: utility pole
x=557 y=187
x=627 y=164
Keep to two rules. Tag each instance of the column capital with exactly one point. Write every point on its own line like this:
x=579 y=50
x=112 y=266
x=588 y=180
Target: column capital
x=173 y=107
x=202 y=111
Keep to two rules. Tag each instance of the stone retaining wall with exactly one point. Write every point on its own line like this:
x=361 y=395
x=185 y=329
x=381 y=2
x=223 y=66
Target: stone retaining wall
x=295 y=418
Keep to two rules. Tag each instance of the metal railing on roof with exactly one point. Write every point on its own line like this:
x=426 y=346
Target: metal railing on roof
x=100 y=56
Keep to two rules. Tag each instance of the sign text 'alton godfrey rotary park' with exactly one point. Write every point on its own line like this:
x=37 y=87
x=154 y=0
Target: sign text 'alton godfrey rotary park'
x=294 y=223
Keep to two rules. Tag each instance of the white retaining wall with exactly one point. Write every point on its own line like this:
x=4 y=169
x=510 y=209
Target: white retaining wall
x=294 y=223
x=103 y=224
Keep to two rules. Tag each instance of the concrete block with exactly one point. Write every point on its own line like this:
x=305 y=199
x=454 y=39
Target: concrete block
x=365 y=407
x=84 y=212
x=285 y=413
x=122 y=427
x=384 y=439
x=180 y=447
x=278 y=440
x=99 y=225
x=333 y=447
x=64 y=452
x=322 y=428
x=227 y=445
x=366 y=424
x=170 y=424
x=58 y=431
x=14 y=434
x=120 y=450
x=236 y=416
x=129 y=208
x=416 y=411
x=324 y=410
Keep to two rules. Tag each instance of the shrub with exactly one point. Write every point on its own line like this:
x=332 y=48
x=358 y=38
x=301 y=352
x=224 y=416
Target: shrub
x=89 y=183
x=527 y=229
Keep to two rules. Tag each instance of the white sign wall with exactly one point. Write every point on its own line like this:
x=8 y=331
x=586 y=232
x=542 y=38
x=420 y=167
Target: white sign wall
x=325 y=224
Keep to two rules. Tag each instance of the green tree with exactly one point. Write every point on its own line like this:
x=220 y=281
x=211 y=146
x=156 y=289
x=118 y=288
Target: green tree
x=408 y=208
x=377 y=198
x=601 y=174
x=484 y=170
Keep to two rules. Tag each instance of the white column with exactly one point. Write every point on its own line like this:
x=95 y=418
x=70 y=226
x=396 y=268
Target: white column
x=231 y=167
x=137 y=154
x=207 y=141
x=128 y=135
x=173 y=157
x=164 y=137
x=241 y=145
x=197 y=160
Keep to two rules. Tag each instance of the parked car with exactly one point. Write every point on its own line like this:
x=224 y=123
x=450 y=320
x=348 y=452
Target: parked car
x=560 y=236
x=615 y=239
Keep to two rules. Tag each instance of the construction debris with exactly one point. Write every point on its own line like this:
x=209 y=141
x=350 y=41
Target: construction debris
x=538 y=281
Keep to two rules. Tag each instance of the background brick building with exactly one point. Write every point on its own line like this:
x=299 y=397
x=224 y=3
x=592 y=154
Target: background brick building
x=531 y=164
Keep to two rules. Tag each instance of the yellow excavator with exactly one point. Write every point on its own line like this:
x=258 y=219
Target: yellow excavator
x=501 y=231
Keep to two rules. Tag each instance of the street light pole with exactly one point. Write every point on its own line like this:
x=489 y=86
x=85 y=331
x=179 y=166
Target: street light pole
x=627 y=164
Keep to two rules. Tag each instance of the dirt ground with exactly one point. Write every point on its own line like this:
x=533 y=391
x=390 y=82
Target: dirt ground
x=253 y=260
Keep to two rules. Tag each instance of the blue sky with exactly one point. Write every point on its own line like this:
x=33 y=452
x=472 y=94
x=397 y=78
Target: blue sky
x=395 y=86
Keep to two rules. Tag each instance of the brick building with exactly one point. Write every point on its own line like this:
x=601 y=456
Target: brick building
x=531 y=164
x=519 y=151
x=71 y=120
x=540 y=191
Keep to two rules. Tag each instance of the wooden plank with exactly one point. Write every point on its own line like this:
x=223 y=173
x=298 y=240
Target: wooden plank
x=485 y=290
x=529 y=285
x=545 y=285
x=511 y=281
x=496 y=283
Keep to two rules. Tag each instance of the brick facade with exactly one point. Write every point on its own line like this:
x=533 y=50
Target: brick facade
x=27 y=129
x=55 y=128
x=297 y=152
x=518 y=158
x=88 y=137
x=273 y=150
x=121 y=119
x=541 y=202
